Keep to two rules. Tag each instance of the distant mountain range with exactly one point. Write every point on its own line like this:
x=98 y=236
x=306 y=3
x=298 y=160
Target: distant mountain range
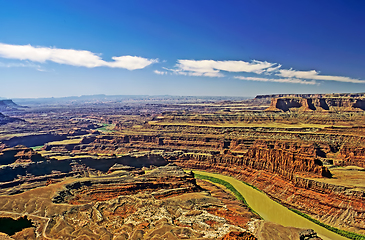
x=121 y=98
x=9 y=105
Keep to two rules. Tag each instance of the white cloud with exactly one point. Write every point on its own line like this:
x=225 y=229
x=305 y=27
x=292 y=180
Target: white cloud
x=160 y=72
x=211 y=68
x=10 y=65
x=130 y=62
x=313 y=74
x=297 y=74
x=72 y=57
x=207 y=68
x=272 y=69
x=281 y=80
x=26 y=64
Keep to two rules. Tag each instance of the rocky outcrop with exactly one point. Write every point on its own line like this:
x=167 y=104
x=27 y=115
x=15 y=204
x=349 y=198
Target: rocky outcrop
x=273 y=231
x=280 y=157
x=352 y=156
x=343 y=104
x=161 y=182
x=19 y=154
x=278 y=104
x=239 y=236
x=25 y=166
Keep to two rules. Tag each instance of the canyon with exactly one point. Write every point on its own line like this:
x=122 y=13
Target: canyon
x=101 y=164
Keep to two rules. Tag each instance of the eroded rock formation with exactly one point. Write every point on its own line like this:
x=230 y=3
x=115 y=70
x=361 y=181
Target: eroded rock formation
x=343 y=104
x=352 y=155
x=8 y=105
x=19 y=154
x=196 y=211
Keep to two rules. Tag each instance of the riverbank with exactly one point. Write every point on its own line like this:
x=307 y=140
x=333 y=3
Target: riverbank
x=272 y=211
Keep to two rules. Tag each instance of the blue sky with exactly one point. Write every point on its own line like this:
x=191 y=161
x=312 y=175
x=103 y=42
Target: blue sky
x=211 y=48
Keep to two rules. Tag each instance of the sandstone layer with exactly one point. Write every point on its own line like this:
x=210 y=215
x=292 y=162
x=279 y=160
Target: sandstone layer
x=343 y=104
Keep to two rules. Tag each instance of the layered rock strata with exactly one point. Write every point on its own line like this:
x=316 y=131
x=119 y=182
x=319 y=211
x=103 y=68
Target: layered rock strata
x=162 y=182
x=352 y=155
x=344 y=104
x=19 y=154
x=315 y=95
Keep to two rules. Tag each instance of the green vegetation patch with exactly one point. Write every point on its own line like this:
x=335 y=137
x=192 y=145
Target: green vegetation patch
x=106 y=128
x=37 y=147
x=228 y=186
x=343 y=233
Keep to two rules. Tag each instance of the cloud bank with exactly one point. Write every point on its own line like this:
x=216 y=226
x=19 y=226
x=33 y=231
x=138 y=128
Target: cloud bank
x=211 y=68
x=313 y=74
x=80 y=58
x=266 y=71
x=281 y=80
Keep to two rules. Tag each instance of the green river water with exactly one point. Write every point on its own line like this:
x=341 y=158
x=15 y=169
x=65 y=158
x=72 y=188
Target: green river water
x=272 y=211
